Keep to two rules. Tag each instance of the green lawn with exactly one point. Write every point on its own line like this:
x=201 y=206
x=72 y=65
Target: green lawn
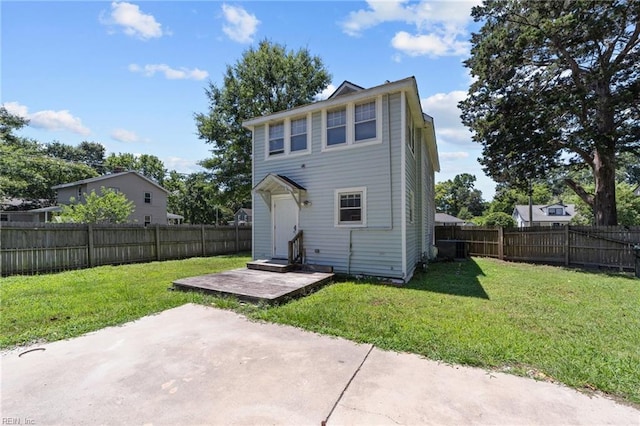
x=579 y=328
x=68 y=304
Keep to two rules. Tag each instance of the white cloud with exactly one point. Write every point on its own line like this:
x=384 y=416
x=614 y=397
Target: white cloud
x=170 y=73
x=133 y=22
x=443 y=107
x=325 y=93
x=428 y=44
x=440 y=26
x=61 y=120
x=241 y=25
x=181 y=165
x=122 y=135
x=453 y=155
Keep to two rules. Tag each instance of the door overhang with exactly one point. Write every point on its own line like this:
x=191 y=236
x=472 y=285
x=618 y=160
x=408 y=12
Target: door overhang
x=274 y=184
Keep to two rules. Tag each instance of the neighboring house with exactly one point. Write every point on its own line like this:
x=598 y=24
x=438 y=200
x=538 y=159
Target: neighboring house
x=444 y=219
x=24 y=210
x=355 y=173
x=244 y=216
x=544 y=215
x=149 y=198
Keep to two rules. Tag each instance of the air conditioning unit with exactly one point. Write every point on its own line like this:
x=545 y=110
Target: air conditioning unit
x=453 y=249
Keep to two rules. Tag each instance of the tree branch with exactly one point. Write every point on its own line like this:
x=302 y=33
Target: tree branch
x=579 y=190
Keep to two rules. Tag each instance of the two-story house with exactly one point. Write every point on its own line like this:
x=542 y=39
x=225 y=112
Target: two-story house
x=149 y=198
x=354 y=173
x=557 y=214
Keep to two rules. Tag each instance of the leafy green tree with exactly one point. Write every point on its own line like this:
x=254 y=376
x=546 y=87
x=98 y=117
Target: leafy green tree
x=265 y=80
x=507 y=196
x=26 y=171
x=147 y=165
x=108 y=207
x=557 y=82
x=627 y=202
x=497 y=219
x=451 y=196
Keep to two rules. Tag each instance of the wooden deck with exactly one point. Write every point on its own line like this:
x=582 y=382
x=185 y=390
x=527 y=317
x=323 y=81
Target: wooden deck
x=255 y=285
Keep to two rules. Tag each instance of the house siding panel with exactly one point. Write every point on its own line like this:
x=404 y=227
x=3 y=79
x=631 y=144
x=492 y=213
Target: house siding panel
x=376 y=248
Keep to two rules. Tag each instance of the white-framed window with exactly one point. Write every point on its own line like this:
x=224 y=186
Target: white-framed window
x=298 y=134
x=147 y=198
x=410 y=206
x=555 y=211
x=337 y=127
x=365 y=121
x=356 y=123
x=351 y=207
x=147 y=220
x=288 y=137
x=276 y=138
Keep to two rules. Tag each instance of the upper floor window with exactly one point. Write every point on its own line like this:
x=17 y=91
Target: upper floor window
x=147 y=198
x=337 y=127
x=299 y=134
x=555 y=211
x=289 y=136
x=276 y=138
x=365 y=121
x=352 y=124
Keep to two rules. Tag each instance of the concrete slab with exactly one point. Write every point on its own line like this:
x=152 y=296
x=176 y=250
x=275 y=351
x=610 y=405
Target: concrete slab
x=393 y=389
x=186 y=366
x=195 y=365
x=256 y=285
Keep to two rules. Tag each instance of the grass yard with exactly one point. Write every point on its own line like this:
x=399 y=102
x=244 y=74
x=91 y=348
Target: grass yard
x=67 y=304
x=578 y=328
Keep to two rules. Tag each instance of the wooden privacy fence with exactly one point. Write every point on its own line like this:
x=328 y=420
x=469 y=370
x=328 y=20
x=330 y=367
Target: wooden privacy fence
x=28 y=248
x=582 y=246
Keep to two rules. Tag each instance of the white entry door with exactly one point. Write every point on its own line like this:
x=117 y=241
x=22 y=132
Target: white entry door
x=284 y=212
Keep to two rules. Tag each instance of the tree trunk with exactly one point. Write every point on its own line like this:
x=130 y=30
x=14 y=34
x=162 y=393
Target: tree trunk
x=604 y=206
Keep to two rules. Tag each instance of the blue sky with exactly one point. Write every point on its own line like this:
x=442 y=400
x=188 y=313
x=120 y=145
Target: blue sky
x=130 y=75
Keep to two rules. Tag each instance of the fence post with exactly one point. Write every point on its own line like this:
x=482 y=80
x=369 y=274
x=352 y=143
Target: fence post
x=90 y=256
x=237 y=238
x=157 y=241
x=204 y=248
x=566 y=245
x=501 y=243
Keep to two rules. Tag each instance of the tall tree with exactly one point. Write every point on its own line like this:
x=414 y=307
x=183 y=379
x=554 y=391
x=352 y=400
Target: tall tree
x=26 y=170
x=145 y=164
x=557 y=82
x=265 y=80
x=459 y=195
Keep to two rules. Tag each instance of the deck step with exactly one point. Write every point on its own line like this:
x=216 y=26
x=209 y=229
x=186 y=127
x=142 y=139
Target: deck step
x=271 y=265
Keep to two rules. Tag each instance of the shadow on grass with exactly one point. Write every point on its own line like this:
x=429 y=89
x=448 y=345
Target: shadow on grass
x=459 y=278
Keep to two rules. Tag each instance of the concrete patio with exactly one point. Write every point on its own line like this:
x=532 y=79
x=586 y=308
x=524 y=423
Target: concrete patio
x=256 y=285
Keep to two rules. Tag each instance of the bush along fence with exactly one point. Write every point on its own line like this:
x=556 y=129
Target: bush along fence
x=609 y=247
x=27 y=248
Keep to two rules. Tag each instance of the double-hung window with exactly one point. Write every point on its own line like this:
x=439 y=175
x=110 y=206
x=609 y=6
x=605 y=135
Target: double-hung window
x=147 y=198
x=365 y=121
x=299 y=134
x=337 y=127
x=351 y=207
x=276 y=138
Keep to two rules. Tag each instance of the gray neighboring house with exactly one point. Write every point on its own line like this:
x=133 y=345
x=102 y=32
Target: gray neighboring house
x=355 y=173
x=544 y=215
x=244 y=216
x=444 y=219
x=149 y=198
x=12 y=210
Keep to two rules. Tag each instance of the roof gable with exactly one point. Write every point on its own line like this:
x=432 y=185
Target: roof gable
x=107 y=177
x=345 y=88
